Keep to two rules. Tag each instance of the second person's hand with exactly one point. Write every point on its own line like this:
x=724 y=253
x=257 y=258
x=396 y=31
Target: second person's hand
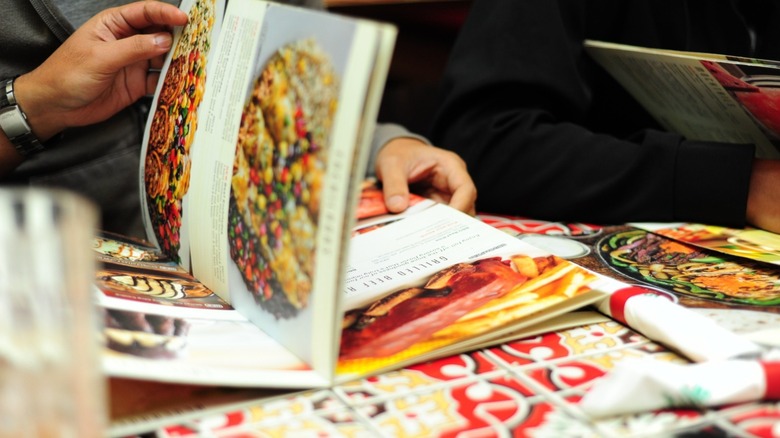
x=407 y=163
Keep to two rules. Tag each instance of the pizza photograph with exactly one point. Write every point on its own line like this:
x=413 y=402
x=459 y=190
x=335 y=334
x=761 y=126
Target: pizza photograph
x=278 y=171
x=166 y=166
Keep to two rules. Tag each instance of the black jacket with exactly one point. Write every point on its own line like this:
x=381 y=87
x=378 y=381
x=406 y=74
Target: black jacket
x=548 y=134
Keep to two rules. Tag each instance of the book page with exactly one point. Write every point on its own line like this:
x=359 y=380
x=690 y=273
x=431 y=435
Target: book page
x=702 y=97
x=372 y=213
x=161 y=324
x=439 y=281
x=273 y=167
x=751 y=243
x=166 y=154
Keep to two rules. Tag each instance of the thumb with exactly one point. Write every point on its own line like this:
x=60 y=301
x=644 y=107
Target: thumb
x=127 y=51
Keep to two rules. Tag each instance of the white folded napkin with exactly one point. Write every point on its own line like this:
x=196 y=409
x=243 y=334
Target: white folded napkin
x=647 y=384
x=692 y=334
x=729 y=370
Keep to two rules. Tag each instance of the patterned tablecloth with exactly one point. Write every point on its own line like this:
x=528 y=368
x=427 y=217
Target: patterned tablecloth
x=528 y=387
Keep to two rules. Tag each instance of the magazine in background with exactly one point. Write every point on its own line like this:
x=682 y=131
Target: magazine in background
x=702 y=96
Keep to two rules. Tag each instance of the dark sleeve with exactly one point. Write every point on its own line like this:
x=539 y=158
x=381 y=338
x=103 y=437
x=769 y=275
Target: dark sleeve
x=516 y=105
x=109 y=151
x=29 y=33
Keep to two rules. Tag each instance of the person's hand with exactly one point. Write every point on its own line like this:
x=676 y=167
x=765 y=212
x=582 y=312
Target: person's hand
x=101 y=69
x=763 y=209
x=405 y=164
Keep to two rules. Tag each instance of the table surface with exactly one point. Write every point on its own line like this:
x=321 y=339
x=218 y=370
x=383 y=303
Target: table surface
x=526 y=387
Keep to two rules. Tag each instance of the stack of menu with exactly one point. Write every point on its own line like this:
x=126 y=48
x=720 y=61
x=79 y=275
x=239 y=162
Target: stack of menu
x=270 y=260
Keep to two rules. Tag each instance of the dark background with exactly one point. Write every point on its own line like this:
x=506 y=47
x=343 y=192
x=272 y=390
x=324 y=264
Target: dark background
x=426 y=32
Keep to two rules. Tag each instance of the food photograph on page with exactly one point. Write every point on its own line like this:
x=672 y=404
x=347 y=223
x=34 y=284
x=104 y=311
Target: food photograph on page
x=144 y=334
x=173 y=121
x=116 y=248
x=691 y=271
x=156 y=287
x=751 y=243
x=195 y=347
x=759 y=94
x=372 y=212
x=458 y=302
x=279 y=166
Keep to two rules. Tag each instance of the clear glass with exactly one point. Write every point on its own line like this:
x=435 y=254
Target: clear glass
x=51 y=383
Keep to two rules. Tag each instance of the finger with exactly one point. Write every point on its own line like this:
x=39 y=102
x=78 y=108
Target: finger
x=128 y=23
x=436 y=195
x=464 y=195
x=118 y=54
x=156 y=63
x=462 y=200
x=395 y=187
x=142 y=15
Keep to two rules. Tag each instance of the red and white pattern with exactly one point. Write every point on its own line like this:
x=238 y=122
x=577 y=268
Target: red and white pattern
x=529 y=387
x=524 y=388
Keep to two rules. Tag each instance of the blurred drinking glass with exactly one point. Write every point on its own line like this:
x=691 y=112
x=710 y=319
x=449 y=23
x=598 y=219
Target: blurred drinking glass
x=51 y=384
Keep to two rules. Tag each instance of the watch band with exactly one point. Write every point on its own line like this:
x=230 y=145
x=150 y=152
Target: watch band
x=7 y=93
x=13 y=121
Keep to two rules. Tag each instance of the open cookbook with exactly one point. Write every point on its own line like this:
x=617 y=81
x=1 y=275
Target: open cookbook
x=271 y=261
x=702 y=96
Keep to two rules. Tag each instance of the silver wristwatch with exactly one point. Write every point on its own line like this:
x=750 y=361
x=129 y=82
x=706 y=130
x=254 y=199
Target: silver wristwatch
x=14 y=123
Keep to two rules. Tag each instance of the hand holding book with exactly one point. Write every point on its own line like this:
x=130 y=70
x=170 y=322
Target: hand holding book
x=101 y=69
x=406 y=163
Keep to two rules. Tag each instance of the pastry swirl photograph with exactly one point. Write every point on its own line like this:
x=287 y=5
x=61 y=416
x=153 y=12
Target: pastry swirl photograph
x=173 y=121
